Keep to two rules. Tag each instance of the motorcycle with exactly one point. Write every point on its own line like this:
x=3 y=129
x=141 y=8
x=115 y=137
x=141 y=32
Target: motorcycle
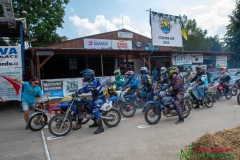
x=163 y=102
x=208 y=99
x=220 y=90
x=235 y=87
x=61 y=124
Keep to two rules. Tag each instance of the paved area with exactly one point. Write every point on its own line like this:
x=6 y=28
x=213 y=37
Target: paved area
x=131 y=139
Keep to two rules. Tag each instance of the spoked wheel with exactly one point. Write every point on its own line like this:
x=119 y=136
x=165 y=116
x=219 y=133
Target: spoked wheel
x=186 y=105
x=238 y=98
x=115 y=115
x=58 y=127
x=117 y=104
x=229 y=94
x=209 y=101
x=152 y=115
x=37 y=122
x=234 y=90
x=127 y=109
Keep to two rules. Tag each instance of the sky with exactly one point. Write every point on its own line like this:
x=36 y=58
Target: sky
x=89 y=17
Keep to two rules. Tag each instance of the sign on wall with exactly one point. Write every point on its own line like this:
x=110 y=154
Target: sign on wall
x=97 y=44
x=197 y=58
x=122 y=44
x=10 y=56
x=6 y=89
x=181 y=59
x=221 y=58
x=125 y=35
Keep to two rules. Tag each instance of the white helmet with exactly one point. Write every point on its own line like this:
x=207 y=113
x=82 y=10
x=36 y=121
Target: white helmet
x=163 y=69
x=143 y=70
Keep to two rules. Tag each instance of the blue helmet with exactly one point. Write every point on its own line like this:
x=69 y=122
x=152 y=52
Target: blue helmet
x=143 y=70
x=88 y=74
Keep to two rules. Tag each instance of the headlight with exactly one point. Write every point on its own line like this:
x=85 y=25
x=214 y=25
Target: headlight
x=155 y=98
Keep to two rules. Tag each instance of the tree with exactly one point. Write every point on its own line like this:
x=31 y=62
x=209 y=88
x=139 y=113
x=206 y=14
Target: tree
x=44 y=16
x=232 y=36
x=217 y=45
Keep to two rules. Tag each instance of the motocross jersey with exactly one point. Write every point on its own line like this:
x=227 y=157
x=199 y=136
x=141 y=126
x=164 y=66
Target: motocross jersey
x=201 y=76
x=164 y=76
x=224 y=77
x=146 y=82
x=177 y=85
x=133 y=83
x=119 y=81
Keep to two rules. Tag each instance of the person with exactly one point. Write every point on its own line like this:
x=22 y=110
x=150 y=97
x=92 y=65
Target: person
x=2 y=99
x=30 y=91
x=93 y=85
x=164 y=76
x=119 y=80
x=188 y=76
x=177 y=84
x=132 y=83
x=224 y=79
x=202 y=86
x=155 y=74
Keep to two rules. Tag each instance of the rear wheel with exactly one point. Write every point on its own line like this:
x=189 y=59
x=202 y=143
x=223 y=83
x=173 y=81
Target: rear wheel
x=127 y=109
x=186 y=105
x=234 y=90
x=152 y=115
x=229 y=94
x=209 y=101
x=115 y=114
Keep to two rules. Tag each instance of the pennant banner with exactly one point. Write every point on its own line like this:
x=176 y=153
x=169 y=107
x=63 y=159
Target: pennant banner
x=166 y=30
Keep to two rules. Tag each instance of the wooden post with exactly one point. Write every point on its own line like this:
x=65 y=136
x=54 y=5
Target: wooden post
x=45 y=61
x=171 y=60
x=38 y=69
x=149 y=64
x=102 y=64
x=86 y=62
x=127 y=62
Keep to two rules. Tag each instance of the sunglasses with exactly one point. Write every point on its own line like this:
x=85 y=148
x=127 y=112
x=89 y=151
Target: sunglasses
x=36 y=83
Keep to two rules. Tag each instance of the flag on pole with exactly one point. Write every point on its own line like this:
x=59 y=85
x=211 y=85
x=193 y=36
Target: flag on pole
x=184 y=33
x=166 y=29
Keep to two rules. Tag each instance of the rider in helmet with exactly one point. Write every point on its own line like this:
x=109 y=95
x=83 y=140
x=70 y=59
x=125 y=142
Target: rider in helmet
x=224 y=78
x=132 y=83
x=93 y=85
x=119 y=80
x=188 y=76
x=177 y=84
x=201 y=86
x=164 y=76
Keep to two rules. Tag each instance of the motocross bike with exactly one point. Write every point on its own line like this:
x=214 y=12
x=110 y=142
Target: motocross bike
x=164 y=103
x=220 y=90
x=61 y=124
x=238 y=97
x=208 y=99
x=235 y=87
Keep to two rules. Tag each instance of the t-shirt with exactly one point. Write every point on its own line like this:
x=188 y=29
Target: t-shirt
x=30 y=93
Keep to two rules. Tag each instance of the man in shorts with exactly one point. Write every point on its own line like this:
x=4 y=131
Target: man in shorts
x=30 y=91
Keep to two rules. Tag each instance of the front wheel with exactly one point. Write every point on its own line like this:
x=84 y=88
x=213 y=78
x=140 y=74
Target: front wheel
x=127 y=109
x=58 y=127
x=234 y=90
x=37 y=122
x=152 y=115
x=209 y=101
x=229 y=94
x=238 y=98
x=115 y=114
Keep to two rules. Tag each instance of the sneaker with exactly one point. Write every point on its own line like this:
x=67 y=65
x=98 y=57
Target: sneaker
x=179 y=121
x=27 y=127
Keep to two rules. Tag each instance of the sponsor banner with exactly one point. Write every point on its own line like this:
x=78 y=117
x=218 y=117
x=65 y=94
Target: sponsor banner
x=181 y=59
x=197 y=58
x=233 y=71
x=221 y=58
x=97 y=44
x=121 y=44
x=166 y=30
x=221 y=63
x=10 y=57
x=136 y=45
x=6 y=89
x=125 y=35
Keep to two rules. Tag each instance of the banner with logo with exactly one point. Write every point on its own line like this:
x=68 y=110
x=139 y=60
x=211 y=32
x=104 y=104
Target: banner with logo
x=197 y=58
x=181 y=59
x=136 y=45
x=221 y=58
x=166 y=30
x=97 y=44
x=125 y=35
x=7 y=90
x=122 y=44
x=10 y=56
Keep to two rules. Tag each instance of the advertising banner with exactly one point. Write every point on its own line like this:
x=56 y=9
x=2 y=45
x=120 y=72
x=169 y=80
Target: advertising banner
x=221 y=58
x=166 y=30
x=197 y=58
x=136 y=45
x=10 y=57
x=7 y=90
x=122 y=44
x=97 y=44
x=221 y=63
x=181 y=59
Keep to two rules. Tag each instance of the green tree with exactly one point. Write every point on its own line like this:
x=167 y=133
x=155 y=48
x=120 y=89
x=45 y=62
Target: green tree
x=44 y=16
x=217 y=45
x=232 y=36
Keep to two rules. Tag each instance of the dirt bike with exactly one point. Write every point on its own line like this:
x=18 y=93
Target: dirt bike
x=235 y=87
x=61 y=124
x=220 y=90
x=163 y=102
x=208 y=99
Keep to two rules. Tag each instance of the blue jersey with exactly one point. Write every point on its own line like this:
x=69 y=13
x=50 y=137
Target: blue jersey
x=95 y=87
x=133 y=83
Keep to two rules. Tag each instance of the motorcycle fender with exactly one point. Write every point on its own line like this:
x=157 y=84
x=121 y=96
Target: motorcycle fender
x=40 y=114
x=113 y=98
x=155 y=103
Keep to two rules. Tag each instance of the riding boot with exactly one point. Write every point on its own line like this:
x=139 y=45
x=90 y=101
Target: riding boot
x=100 y=126
x=78 y=125
x=95 y=124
